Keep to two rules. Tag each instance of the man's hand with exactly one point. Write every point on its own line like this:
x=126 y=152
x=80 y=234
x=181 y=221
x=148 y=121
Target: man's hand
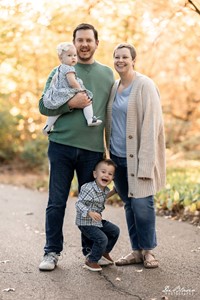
x=80 y=100
x=95 y=216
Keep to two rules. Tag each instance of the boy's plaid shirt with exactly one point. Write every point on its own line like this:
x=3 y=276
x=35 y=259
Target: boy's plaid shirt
x=91 y=198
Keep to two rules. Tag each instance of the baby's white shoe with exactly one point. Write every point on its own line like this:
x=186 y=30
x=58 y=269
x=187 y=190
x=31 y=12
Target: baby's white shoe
x=46 y=130
x=94 y=122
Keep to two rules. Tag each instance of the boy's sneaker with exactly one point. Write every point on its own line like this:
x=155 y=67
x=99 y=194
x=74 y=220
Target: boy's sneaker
x=92 y=266
x=105 y=260
x=49 y=261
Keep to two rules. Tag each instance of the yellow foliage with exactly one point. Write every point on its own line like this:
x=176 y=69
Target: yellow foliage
x=193 y=207
x=165 y=33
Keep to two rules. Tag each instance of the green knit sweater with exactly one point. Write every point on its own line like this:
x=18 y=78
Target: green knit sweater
x=71 y=127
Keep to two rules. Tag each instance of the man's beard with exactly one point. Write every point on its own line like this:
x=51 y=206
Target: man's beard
x=83 y=58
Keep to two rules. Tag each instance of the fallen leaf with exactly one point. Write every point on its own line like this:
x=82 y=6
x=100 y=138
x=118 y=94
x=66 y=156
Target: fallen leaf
x=4 y=261
x=118 y=279
x=8 y=290
x=139 y=271
x=196 y=250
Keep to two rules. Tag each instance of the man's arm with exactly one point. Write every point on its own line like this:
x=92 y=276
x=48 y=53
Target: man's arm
x=80 y=100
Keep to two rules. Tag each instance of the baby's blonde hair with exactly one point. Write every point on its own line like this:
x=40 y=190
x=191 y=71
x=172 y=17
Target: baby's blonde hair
x=65 y=46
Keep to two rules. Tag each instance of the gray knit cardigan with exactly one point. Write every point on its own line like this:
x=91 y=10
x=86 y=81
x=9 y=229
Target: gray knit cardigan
x=145 y=140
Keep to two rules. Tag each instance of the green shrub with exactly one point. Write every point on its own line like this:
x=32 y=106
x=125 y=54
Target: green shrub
x=34 y=153
x=182 y=191
x=8 y=136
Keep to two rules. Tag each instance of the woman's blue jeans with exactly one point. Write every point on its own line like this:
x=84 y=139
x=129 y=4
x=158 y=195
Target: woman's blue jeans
x=64 y=160
x=103 y=239
x=140 y=212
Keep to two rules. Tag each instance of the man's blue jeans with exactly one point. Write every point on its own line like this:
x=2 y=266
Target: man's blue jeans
x=103 y=239
x=140 y=212
x=64 y=160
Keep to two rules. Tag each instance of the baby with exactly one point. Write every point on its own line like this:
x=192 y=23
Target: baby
x=64 y=85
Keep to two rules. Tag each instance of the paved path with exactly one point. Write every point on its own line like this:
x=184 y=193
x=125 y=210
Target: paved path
x=21 y=248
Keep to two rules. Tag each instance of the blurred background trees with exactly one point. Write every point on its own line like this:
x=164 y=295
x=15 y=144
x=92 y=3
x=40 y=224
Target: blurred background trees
x=166 y=35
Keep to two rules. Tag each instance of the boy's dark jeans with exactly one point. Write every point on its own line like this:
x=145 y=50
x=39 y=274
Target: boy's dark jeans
x=102 y=239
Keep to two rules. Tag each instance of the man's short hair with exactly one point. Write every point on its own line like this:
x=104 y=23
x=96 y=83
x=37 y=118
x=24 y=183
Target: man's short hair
x=85 y=26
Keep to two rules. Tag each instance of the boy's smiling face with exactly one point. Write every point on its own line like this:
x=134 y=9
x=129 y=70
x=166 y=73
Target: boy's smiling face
x=104 y=174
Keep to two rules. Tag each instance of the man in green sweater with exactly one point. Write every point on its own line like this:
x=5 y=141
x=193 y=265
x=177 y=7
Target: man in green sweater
x=73 y=146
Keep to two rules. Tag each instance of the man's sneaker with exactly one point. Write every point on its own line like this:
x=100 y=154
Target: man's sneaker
x=92 y=266
x=49 y=261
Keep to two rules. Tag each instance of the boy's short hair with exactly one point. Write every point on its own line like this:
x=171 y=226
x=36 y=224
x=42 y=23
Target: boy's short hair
x=107 y=161
x=65 y=46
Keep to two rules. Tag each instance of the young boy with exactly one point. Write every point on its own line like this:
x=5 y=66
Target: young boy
x=65 y=85
x=89 y=206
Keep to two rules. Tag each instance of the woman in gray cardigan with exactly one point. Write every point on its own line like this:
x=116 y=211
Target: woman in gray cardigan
x=135 y=140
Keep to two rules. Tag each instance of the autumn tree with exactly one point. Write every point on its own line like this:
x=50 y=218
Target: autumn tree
x=165 y=34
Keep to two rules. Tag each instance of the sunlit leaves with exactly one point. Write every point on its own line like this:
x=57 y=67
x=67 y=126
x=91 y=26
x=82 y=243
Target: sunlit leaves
x=166 y=35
